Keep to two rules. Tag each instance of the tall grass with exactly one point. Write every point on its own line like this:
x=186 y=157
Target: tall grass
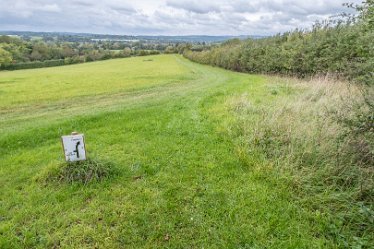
x=312 y=137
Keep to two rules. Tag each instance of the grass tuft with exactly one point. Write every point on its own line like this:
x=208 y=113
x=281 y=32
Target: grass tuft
x=83 y=172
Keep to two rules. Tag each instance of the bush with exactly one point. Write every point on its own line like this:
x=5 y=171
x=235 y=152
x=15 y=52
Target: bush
x=341 y=48
x=34 y=64
x=74 y=60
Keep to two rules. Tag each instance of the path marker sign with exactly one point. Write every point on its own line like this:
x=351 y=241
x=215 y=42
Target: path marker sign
x=74 y=147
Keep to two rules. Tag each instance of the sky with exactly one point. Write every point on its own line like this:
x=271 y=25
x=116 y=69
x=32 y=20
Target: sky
x=166 y=17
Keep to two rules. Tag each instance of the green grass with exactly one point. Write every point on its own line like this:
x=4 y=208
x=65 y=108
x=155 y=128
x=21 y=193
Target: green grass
x=72 y=82
x=166 y=127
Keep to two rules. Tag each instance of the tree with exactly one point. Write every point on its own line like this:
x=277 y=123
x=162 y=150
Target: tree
x=67 y=51
x=367 y=13
x=126 y=52
x=5 y=57
x=35 y=55
x=169 y=50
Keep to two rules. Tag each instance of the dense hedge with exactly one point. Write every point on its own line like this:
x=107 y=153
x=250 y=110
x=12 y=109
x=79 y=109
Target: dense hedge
x=74 y=60
x=34 y=64
x=17 y=53
x=345 y=49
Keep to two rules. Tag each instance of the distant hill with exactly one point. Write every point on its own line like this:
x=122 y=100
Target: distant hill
x=75 y=37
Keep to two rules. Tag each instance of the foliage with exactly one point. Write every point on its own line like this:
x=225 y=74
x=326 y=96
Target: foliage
x=16 y=53
x=5 y=57
x=340 y=48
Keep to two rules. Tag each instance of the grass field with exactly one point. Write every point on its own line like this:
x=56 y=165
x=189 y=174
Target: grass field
x=167 y=128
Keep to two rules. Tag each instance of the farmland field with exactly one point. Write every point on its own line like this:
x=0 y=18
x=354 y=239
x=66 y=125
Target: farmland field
x=166 y=125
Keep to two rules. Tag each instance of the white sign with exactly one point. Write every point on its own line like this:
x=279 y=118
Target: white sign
x=74 y=148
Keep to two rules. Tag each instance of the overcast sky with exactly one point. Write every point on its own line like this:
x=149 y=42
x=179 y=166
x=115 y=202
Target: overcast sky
x=166 y=17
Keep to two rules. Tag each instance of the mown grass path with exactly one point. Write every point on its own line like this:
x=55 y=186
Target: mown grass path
x=164 y=123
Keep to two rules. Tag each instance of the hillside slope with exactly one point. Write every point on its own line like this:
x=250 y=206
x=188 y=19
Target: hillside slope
x=168 y=128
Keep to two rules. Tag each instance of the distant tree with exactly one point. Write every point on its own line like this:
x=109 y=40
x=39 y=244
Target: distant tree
x=183 y=46
x=116 y=46
x=5 y=57
x=143 y=52
x=169 y=50
x=94 y=55
x=67 y=51
x=35 y=55
x=41 y=50
x=10 y=39
x=126 y=52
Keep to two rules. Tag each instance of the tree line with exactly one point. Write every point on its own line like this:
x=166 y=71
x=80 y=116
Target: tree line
x=18 y=53
x=342 y=47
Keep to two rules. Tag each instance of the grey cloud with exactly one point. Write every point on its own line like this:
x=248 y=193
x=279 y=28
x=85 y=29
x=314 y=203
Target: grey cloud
x=244 y=6
x=83 y=3
x=303 y=7
x=121 y=7
x=199 y=7
x=168 y=17
x=124 y=10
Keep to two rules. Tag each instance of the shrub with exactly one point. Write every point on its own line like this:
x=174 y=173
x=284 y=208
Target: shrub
x=342 y=48
x=34 y=64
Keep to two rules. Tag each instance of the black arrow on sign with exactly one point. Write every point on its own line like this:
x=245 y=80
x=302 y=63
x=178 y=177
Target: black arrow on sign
x=76 y=148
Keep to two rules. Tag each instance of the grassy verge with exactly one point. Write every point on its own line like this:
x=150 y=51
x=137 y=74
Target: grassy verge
x=305 y=135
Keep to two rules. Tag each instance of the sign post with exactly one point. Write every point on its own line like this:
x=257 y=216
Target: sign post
x=74 y=147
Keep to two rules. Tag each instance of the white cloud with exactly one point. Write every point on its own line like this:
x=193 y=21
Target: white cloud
x=49 y=8
x=168 y=17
